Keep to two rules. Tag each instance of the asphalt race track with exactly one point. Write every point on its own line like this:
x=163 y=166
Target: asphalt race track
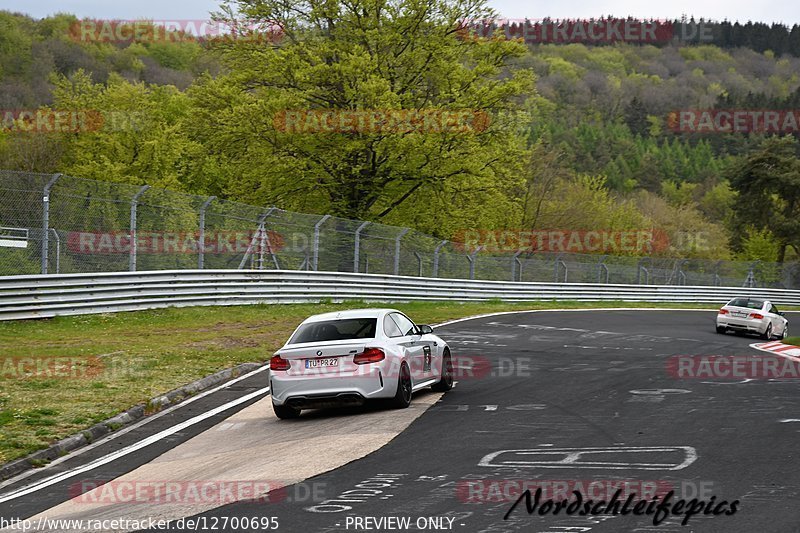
x=578 y=400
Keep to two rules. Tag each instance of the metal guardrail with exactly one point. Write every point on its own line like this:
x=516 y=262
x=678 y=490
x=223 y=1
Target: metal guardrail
x=24 y=297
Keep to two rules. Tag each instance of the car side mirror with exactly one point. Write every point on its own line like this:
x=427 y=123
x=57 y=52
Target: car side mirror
x=424 y=329
x=781 y=313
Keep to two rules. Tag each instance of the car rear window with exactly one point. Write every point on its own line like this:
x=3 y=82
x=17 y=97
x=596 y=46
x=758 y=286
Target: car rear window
x=335 y=330
x=746 y=302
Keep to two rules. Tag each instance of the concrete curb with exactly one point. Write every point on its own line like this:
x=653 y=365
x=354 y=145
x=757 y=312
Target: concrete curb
x=790 y=351
x=133 y=414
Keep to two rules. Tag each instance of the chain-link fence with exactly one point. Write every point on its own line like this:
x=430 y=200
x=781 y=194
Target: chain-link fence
x=61 y=224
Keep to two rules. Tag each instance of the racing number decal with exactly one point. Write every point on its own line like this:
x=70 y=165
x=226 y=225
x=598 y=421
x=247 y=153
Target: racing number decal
x=426 y=366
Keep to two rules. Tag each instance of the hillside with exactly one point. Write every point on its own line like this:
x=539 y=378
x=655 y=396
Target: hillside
x=598 y=146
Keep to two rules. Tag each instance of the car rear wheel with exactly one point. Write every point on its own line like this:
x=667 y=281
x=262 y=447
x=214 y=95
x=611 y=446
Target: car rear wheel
x=767 y=333
x=446 y=382
x=284 y=412
x=402 y=398
x=721 y=329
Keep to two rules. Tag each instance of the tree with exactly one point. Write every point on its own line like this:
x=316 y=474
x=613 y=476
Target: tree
x=545 y=174
x=581 y=202
x=31 y=152
x=768 y=183
x=759 y=245
x=364 y=56
x=139 y=139
x=794 y=41
x=636 y=117
x=690 y=235
x=717 y=201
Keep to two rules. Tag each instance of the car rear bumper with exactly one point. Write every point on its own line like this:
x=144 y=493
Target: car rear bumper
x=741 y=324
x=319 y=391
x=319 y=401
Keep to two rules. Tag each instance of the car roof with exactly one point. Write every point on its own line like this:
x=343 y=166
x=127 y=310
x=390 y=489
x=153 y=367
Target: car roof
x=351 y=313
x=761 y=301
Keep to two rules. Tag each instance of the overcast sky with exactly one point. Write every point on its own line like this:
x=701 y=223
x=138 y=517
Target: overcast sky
x=787 y=11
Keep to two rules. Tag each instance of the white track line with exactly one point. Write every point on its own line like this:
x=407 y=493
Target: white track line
x=130 y=449
x=499 y=313
x=128 y=429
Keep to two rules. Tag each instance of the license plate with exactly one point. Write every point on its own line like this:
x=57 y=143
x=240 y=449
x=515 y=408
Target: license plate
x=318 y=363
x=739 y=315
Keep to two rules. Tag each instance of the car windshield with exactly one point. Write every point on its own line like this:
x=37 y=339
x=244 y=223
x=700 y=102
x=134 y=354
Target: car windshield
x=335 y=330
x=746 y=302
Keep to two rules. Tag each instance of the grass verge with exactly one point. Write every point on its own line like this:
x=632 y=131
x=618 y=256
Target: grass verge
x=792 y=340
x=92 y=367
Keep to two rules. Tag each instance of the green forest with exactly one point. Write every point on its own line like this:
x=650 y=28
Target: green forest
x=579 y=136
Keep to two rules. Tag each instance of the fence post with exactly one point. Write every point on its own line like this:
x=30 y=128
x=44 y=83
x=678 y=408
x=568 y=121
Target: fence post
x=357 y=247
x=558 y=261
x=201 y=244
x=316 y=240
x=601 y=265
x=265 y=240
x=265 y=243
x=639 y=267
x=259 y=235
x=397 y=251
x=134 y=205
x=471 y=258
x=46 y=219
x=681 y=273
x=514 y=262
x=717 y=279
x=436 y=258
x=58 y=250
x=750 y=282
x=555 y=268
x=306 y=262
x=419 y=263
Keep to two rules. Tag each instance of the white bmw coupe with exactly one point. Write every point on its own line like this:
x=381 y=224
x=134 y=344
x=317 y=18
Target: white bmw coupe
x=752 y=315
x=349 y=357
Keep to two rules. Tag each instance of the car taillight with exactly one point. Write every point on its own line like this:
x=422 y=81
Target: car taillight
x=723 y=311
x=369 y=355
x=756 y=316
x=278 y=363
